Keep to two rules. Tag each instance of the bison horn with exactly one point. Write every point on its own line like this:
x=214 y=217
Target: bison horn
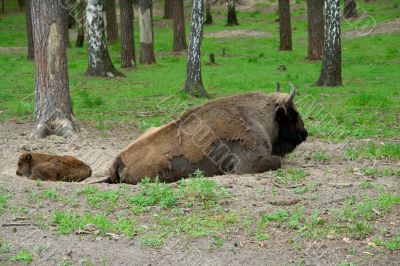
x=292 y=93
x=278 y=87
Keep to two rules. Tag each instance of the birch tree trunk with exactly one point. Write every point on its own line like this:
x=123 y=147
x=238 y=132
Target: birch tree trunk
x=146 y=32
x=111 y=21
x=209 y=19
x=28 y=16
x=331 y=71
x=81 y=24
x=315 y=9
x=285 y=28
x=194 y=84
x=179 y=27
x=53 y=103
x=350 y=8
x=232 y=19
x=99 y=60
x=168 y=9
x=127 y=39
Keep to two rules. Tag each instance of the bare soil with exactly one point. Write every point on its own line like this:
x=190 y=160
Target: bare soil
x=334 y=182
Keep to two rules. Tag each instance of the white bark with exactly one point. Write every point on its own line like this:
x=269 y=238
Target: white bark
x=95 y=29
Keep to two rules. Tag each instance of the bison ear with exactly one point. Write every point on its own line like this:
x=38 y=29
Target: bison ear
x=28 y=157
x=280 y=113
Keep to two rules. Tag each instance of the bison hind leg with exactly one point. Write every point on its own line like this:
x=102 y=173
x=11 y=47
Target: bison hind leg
x=115 y=170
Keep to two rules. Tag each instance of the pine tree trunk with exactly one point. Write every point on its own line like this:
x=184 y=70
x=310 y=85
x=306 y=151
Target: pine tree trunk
x=168 y=9
x=179 y=27
x=111 y=21
x=209 y=19
x=232 y=19
x=81 y=24
x=315 y=9
x=127 y=40
x=146 y=32
x=53 y=102
x=285 y=28
x=350 y=8
x=331 y=72
x=194 y=84
x=28 y=15
x=99 y=60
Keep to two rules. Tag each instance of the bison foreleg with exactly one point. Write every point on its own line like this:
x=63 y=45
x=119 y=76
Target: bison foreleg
x=268 y=163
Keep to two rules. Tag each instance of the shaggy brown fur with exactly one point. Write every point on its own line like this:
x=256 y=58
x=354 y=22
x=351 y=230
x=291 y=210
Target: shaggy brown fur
x=235 y=134
x=52 y=167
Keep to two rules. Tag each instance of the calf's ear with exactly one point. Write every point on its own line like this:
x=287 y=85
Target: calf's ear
x=28 y=157
x=280 y=113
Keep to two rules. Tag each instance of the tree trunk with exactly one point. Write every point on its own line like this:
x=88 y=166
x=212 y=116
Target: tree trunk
x=127 y=40
x=21 y=4
x=111 y=21
x=146 y=32
x=209 y=19
x=168 y=9
x=99 y=60
x=179 y=27
x=232 y=19
x=331 y=72
x=53 y=102
x=194 y=84
x=28 y=15
x=315 y=29
x=350 y=8
x=81 y=24
x=285 y=28
x=65 y=15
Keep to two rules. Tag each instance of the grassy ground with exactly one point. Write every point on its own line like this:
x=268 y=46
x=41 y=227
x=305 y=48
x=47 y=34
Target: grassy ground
x=366 y=106
x=346 y=196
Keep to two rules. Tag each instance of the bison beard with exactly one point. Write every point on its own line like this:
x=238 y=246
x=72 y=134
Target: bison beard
x=239 y=134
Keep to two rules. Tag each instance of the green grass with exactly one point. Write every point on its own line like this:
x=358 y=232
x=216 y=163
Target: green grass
x=68 y=222
x=390 y=244
x=153 y=193
x=380 y=171
x=371 y=150
x=5 y=247
x=23 y=255
x=290 y=175
x=3 y=202
x=102 y=199
x=366 y=106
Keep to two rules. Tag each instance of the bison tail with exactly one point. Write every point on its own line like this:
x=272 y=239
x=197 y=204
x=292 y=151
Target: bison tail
x=115 y=170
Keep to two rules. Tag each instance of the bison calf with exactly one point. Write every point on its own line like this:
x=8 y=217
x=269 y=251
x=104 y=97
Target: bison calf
x=52 y=167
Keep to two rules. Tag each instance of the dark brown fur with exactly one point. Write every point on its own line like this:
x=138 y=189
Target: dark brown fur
x=52 y=167
x=239 y=134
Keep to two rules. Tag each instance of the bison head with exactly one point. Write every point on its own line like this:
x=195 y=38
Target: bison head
x=24 y=164
x=291 y=131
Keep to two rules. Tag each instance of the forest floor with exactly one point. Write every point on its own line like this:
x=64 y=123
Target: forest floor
x=335 y=202
x=331 y=204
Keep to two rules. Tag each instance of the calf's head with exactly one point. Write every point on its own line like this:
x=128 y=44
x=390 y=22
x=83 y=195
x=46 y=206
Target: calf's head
x=24 y=164
x=291 y=130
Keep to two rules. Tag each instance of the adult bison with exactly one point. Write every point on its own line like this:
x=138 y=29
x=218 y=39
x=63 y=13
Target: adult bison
x=239 y=134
